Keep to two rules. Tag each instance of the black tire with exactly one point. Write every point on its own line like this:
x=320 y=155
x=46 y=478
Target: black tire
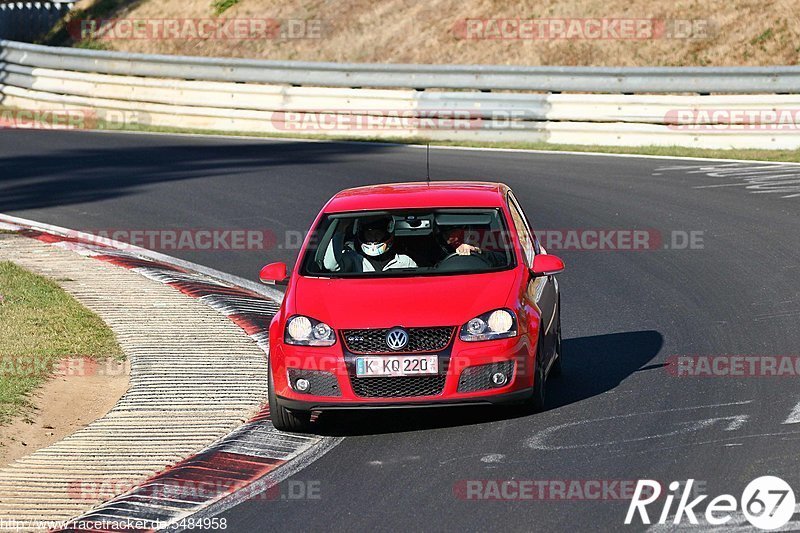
x=284 y=419
x=556 y=369
x=539 y=387
x=535 y=404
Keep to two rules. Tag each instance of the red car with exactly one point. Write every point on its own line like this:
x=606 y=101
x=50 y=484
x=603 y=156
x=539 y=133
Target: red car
x=415 y=294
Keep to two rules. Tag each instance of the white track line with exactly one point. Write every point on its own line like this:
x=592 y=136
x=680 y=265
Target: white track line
x=794 y=416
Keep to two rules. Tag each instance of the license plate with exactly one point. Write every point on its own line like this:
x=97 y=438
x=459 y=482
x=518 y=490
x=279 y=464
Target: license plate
x=401 y=365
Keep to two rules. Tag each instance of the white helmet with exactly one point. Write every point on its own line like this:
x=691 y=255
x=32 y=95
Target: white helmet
x=375 y=236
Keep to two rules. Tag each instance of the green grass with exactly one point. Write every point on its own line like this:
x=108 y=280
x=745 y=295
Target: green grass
x=92 y=44
x=40 y=324
x=221 y=6
x=763 y=37
x=674 y=151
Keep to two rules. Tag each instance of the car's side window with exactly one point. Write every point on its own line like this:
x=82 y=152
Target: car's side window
x=537 y=248
x=525 y=238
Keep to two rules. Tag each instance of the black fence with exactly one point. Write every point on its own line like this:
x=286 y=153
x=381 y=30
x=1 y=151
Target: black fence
x=28 y=21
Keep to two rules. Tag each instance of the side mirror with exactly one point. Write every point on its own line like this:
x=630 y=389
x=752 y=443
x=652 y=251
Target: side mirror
x=273 y=273
x=547 y=265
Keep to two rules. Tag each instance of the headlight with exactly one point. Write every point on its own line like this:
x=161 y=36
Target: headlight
x=306 y=331
x=497 y=324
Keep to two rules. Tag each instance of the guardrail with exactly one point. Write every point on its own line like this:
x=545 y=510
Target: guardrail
x=27 y=21
x=275 y=97
x=481 y=77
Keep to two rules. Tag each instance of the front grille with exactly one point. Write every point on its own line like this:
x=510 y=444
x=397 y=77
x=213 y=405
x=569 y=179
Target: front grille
x=398 y=387
x=475 y=378
x=419 y=340
x=321 y=383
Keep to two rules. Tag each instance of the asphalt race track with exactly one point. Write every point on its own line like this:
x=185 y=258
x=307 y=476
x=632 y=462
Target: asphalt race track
x=617 y=413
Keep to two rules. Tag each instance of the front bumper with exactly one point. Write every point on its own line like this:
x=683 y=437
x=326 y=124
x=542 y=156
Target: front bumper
x=508 y=398
x=348 y=393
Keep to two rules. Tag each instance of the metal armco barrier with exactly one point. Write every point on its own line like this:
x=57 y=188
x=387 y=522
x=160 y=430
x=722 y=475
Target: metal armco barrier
x=353 y=100
x=483 y=77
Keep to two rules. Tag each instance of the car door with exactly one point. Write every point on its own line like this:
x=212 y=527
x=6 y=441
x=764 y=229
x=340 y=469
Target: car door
x=541 y=291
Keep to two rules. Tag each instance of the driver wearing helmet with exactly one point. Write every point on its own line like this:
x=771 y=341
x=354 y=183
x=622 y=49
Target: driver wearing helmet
x=372 y=251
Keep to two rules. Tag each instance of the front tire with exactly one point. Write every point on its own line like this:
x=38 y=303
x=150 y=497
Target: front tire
x=284 y=419
x=535 y=404
x=539 y=387
x=556 y=369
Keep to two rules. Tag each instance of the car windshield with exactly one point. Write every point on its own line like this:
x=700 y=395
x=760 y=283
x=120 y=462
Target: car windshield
x=409 y=243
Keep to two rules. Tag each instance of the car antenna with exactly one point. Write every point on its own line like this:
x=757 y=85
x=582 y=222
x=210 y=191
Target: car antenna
x=428 y=162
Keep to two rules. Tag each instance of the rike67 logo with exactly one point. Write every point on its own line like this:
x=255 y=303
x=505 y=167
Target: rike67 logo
x=767 y=503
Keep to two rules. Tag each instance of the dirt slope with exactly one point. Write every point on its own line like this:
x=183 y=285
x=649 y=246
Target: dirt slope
x=732 y=32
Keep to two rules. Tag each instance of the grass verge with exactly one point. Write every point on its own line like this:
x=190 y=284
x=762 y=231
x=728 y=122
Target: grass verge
x=40 y=325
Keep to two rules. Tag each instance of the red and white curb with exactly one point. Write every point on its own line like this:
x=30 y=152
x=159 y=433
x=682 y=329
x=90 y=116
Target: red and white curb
x=242 y=465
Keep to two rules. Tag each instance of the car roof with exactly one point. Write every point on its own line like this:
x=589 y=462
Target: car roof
x=418 y=195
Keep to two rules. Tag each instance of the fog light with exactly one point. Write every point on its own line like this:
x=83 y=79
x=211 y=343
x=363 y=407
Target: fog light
x=499 y=379
x=301 y=385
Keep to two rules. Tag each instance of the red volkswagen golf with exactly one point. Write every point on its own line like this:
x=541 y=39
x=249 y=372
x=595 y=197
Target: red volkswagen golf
x=415 y=294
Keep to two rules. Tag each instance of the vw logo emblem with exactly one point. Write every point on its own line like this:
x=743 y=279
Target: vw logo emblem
x=397 y=339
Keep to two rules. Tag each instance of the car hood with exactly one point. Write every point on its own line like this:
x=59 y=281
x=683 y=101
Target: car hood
x=410 y=302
